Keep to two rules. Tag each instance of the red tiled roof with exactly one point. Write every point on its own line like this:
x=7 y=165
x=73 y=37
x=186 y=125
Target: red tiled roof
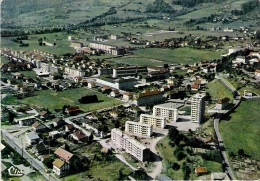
x=70 y=126
x=65 y=155
x=70 y=109
x=200 y=170
x=79 y=134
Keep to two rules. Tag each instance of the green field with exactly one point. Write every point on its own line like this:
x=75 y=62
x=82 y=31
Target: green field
x=61 y=41
x=55 y=100
x=218 y=90
x=133 y=60
x=243 y=129
x=179 y=55
x=166 y=152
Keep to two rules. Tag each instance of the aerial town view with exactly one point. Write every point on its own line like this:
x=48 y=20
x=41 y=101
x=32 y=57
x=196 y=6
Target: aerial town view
x=106 y=90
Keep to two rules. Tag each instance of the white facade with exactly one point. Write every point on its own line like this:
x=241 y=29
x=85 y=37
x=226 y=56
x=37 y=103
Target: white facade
x=138 y=128
x=197 y=107
x=168 y=111
x=74 y=72
x=156 y=121
x=130 y=145
x=116 y=137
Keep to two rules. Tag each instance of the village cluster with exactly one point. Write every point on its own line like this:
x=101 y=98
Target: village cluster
x=153 y=99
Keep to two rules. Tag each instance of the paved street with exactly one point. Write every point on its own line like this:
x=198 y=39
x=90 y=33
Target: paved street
x=11 y=140
x=216 y=128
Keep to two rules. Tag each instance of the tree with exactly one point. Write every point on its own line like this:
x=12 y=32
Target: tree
x=173 y=133
x=120 y=174
x=77 y=164
x=11 y=117
x=48 y=162
x=139 y=175
x=90 y=138
x=175 y=166
x=240 y=152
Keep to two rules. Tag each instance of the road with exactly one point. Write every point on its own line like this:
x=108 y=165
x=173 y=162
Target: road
x=158 y=160
x=35 y=163
x=216 y=128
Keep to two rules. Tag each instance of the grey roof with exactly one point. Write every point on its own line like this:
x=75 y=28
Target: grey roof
x=163 y=177
x=32 y=135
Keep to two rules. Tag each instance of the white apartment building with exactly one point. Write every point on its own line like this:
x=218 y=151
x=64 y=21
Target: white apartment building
x=167 y=110
x=197 y=107
x=156 y=121
x=136 y=149
x=130 y=145
x=138 y=128
x=116 y=137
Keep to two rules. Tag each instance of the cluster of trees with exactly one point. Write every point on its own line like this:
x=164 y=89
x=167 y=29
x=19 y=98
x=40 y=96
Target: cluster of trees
x=209 y=19
x=19 y=40
x=88 y=99
x=249 y=6
x=212 y=155
x=192 y=3
x=159 y=6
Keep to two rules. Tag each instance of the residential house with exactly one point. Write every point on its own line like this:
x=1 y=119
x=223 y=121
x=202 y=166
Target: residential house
x=115 y=93
x=127 y=96
x=45 y=115
x=39 y=149
x=58 y=122
x=106 y=89
x=257 y=73
x=64 y=155
x=88 y=124
x=60 y=167
x=69 y=127
x=200 y=170
x=31 y=138
x=91 y=85
x=54 y=134
x=222 y=103
x=26 y=120
x=78 y=135
x=72 y=109
x=38 y=127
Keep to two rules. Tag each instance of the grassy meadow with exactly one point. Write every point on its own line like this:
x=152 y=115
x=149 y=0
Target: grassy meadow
x=179 y=55
x=242 y=130
x=55 y=100
x=218 y=90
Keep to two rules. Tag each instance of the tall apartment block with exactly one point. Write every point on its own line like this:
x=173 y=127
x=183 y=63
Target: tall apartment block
x=156 y=121
x=116 y=137
x=130 y=145
x=197 y=107
x=138 y=128
x=167 y=110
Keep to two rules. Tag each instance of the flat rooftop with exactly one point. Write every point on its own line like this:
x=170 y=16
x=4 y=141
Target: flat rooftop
x=169 y=105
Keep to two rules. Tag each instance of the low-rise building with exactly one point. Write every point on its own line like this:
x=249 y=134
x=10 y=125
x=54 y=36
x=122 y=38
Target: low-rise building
x=222 y=103
x=138 y=128
x=129 y=71
x=38 y=127
x=148 y=97
x=60 y=167
x=31 y=138
x=200 y=170
x=156 y=121
x=257 y=73
x=64 y=155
